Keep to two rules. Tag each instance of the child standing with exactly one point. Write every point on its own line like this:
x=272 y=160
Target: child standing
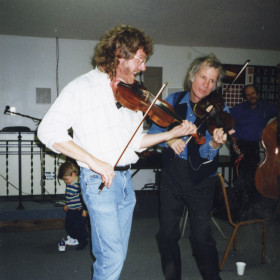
x=75 y=222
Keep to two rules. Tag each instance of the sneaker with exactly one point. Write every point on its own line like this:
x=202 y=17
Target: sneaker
x=71 y=241
x=61 y=246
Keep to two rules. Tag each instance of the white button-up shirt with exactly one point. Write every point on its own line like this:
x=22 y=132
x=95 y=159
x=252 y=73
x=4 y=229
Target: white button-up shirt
x=87 y=105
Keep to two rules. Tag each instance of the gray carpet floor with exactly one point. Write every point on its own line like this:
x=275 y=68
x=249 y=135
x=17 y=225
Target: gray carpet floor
x=34 y=254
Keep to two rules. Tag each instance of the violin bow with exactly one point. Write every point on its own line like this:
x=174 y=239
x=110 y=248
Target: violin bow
x=145 y=115
x=234 y=142
x=242 y=69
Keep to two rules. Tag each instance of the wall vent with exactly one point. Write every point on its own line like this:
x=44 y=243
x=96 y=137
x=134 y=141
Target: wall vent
x=43 y=95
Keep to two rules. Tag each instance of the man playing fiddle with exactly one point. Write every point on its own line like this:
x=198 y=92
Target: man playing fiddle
x=185 y=183
x=101 y=132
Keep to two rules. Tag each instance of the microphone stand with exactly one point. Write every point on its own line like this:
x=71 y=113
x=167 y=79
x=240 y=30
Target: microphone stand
x=8 y=112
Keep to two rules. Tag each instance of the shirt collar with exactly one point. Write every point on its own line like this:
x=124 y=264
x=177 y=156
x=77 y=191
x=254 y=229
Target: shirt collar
x=186 y=99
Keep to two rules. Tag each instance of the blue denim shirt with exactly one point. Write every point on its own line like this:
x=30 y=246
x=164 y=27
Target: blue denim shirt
x=206 y=151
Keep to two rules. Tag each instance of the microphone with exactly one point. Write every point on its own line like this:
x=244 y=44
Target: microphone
x=7 y=110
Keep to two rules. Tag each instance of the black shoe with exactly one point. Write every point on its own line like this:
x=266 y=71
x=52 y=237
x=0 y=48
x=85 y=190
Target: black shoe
x=81 y=245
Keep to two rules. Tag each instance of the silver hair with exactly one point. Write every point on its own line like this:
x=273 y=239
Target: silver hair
x=208 y=60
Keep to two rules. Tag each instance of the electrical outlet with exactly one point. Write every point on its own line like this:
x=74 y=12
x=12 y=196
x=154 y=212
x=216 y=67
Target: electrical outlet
x=12 y=110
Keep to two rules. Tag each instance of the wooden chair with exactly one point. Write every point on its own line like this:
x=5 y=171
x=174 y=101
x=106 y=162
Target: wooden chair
x=236 y=226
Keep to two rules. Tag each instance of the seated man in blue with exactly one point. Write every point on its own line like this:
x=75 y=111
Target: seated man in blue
x=251 y=117
x=188 y=177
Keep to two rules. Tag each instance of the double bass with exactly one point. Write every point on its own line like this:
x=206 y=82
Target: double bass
x=267 y=177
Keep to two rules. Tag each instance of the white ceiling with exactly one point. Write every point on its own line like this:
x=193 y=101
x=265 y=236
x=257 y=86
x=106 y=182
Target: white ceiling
x=252 y=24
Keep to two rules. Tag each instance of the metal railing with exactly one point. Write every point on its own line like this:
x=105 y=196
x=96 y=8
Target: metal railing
x=34 y=167
x=18 y=156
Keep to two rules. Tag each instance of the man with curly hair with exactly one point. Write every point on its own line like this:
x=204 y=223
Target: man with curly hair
x=101 y=131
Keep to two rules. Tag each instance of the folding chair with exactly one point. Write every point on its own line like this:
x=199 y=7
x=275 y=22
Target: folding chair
x=236 y=226
x=184 y=220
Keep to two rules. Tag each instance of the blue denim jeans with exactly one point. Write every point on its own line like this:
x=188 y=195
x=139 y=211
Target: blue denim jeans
x=110 y=214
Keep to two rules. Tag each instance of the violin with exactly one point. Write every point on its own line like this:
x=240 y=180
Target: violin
x=136 y=97
x=210 y=110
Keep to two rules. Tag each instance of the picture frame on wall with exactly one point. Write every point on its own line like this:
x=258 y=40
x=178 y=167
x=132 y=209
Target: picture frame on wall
x=263 y=77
